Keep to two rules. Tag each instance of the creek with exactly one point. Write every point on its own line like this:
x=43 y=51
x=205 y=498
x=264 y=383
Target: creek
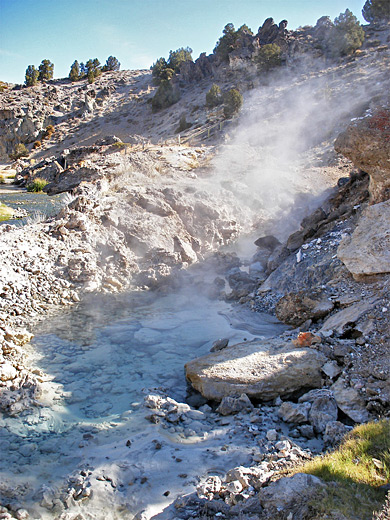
x=99 y=360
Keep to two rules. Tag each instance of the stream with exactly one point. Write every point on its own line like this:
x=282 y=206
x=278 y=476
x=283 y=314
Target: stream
x=99 y=361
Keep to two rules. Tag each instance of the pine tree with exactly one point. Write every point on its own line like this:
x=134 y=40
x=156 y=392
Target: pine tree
x=376 y=10
x=346 y=35
x=232 y=102
x=93 y=69
x=225 y=44
x=176 y=58
x=74 y=74
x=111 y=64
x=46 y=70
x=214 y=96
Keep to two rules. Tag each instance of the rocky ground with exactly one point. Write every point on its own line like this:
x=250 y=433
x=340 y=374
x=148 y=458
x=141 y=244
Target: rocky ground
x=141 y=212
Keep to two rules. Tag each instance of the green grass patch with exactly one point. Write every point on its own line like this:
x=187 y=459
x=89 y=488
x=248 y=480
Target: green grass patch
x=5 y=212
x=354 y=472
x=37 y=185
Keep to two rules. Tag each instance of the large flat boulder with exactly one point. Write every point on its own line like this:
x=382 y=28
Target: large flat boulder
x=262 y=369
x=367 y=250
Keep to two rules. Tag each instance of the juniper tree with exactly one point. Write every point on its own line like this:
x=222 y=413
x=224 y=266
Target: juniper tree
x=31 y=77
x=46 y=70
x=111 y=64
x=74 y=74
x=376 y=10
x=346 y=36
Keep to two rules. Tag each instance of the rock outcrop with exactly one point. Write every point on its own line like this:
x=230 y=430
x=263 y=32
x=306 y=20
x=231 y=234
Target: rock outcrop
x=367 y=251
x=261 y=369
x=367 y=143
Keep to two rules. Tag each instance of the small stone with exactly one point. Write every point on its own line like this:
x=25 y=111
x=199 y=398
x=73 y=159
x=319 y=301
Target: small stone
x=272 y=435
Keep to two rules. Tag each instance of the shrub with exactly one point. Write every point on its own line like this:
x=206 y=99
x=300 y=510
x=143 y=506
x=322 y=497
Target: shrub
x=19 y=151
x=3 y=86
x=31 y=77
x=48 y=132
x=214 y=96
x=269 y=57
x=346 y=36
x=167 y=94
x=46 y=70
x=37 y=144
x=5 y=212
x=37 y=185
x=183 y=125
x=376 y=10
x=74 y=74
x=232 y=102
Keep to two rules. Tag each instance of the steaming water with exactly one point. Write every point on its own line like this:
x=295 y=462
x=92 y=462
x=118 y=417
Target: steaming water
x=99 y=358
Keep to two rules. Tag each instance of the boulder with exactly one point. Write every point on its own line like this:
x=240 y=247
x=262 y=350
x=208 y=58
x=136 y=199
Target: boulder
x=286 y=491
x=296 y=308
x=340 y=321
x=263 y=369
x=366 y=143
x=334 y=433
x=367 y=250
x=350 y=402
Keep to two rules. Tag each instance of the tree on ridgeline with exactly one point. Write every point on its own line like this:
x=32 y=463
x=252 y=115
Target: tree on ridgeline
x=46 y=70
x=31 y=77
x=111 y=64
x=176 y=58
x=93 y=69
x=227 y=43
x=74 y=74
x=376 y=10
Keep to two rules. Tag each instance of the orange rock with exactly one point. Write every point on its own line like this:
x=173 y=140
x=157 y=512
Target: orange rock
x=306 y=339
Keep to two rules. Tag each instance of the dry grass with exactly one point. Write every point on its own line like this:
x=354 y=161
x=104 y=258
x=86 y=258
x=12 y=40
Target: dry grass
x=354 y=472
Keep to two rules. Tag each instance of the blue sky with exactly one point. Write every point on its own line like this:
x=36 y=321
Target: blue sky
x=137 y=32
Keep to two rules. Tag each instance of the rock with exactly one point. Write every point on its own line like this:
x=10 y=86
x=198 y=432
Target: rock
x=268 y=242
x=334 y=433
x=295 y=308
x=219 y=344
x=294 y=413
x=339 y=322
x=323 y=410
x=350 y=402
x=366 y=142
x=262 y=369
x=331 y=369
x=367 y=251
x=231 y=405
x=288 y=490
x=272 y=435
x=7 y=372
x=209 y=488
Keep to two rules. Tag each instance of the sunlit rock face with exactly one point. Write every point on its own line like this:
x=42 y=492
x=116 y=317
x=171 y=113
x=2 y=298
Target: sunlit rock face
x=367 y=143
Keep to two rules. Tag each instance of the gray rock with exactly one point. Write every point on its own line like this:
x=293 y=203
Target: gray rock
x=286 y=491
x=350 y=402
x=294 y=413
x=331 y=369
x=231 y=405
x=219 y=344
x=334 y=433
x=323 y=410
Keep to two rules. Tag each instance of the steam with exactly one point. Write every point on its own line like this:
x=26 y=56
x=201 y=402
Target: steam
x=286 y=132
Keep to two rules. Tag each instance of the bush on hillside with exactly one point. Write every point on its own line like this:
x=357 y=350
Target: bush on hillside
x=19 y=152
x=376 y=10
x=214 y=96
x=269 y=57
x=167 y=94
x=37 y=185
x=346 y=36
x=232 y=102
x=48 y=132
